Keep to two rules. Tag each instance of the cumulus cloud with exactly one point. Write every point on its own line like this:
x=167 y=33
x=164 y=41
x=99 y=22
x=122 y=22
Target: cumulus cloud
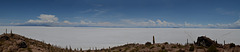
x=67 y=22
x=186 y=24
x=44 y=18
x=90 y=23
x=211 y=25
x=165 y=23
x=150 y=23
x=86 y=22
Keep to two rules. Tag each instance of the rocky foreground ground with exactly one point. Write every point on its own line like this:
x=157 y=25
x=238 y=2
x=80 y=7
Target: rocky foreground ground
x=16 y=43
x=166 y=47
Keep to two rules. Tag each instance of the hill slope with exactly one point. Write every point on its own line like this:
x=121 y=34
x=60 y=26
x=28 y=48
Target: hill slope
x=17 y=43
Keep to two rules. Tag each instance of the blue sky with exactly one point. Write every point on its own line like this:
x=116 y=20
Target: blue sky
x=122 y=13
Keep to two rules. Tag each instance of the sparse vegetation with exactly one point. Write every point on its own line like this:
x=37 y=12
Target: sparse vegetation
x=165 y=42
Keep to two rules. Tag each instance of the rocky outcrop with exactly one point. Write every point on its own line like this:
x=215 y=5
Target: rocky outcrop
x=206 y=42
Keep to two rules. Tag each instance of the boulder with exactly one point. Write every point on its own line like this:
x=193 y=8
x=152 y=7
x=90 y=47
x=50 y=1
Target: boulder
x=22 y=44
x=206 y=42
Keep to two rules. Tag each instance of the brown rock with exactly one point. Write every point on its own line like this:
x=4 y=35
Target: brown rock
x=22 y=44
x=206 y=42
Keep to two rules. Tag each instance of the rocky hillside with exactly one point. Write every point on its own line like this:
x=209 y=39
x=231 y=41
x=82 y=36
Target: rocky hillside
x=203 y=44
x=17 y=43
x=166 y=47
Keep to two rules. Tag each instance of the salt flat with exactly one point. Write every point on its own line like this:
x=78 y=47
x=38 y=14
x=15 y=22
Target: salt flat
x=89 y=37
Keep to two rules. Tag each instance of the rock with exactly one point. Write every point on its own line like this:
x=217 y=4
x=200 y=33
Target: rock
x=206 y=42
x=22 y=44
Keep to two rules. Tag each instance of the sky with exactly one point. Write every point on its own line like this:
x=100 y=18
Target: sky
x=121 y=13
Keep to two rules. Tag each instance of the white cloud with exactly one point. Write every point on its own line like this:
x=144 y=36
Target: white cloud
x=159 y=21
x=151 y=23
x=165 y=23
x=67 y=22
x=44 y=18
x=211 y=25
x=90 y=23
x=86 y=22
x=192 y=25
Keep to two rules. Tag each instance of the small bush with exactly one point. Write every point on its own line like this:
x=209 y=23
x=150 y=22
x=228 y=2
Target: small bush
x=232 y=45
x=212 y=48
x=158 y=45
x=148 y=43
x=163 y=47
x=81 y=50
x=120 y=50
x=191 y=48
x=89 y=50
x=165 y=42
x=174 y=46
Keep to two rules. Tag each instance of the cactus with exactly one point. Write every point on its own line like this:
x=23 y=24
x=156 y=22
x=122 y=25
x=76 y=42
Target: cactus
x=153 y=40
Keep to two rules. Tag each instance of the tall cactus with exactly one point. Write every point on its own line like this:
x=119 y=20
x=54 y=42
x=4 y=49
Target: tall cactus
x=153 y=40
x=6 y=31
x=11 y=31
